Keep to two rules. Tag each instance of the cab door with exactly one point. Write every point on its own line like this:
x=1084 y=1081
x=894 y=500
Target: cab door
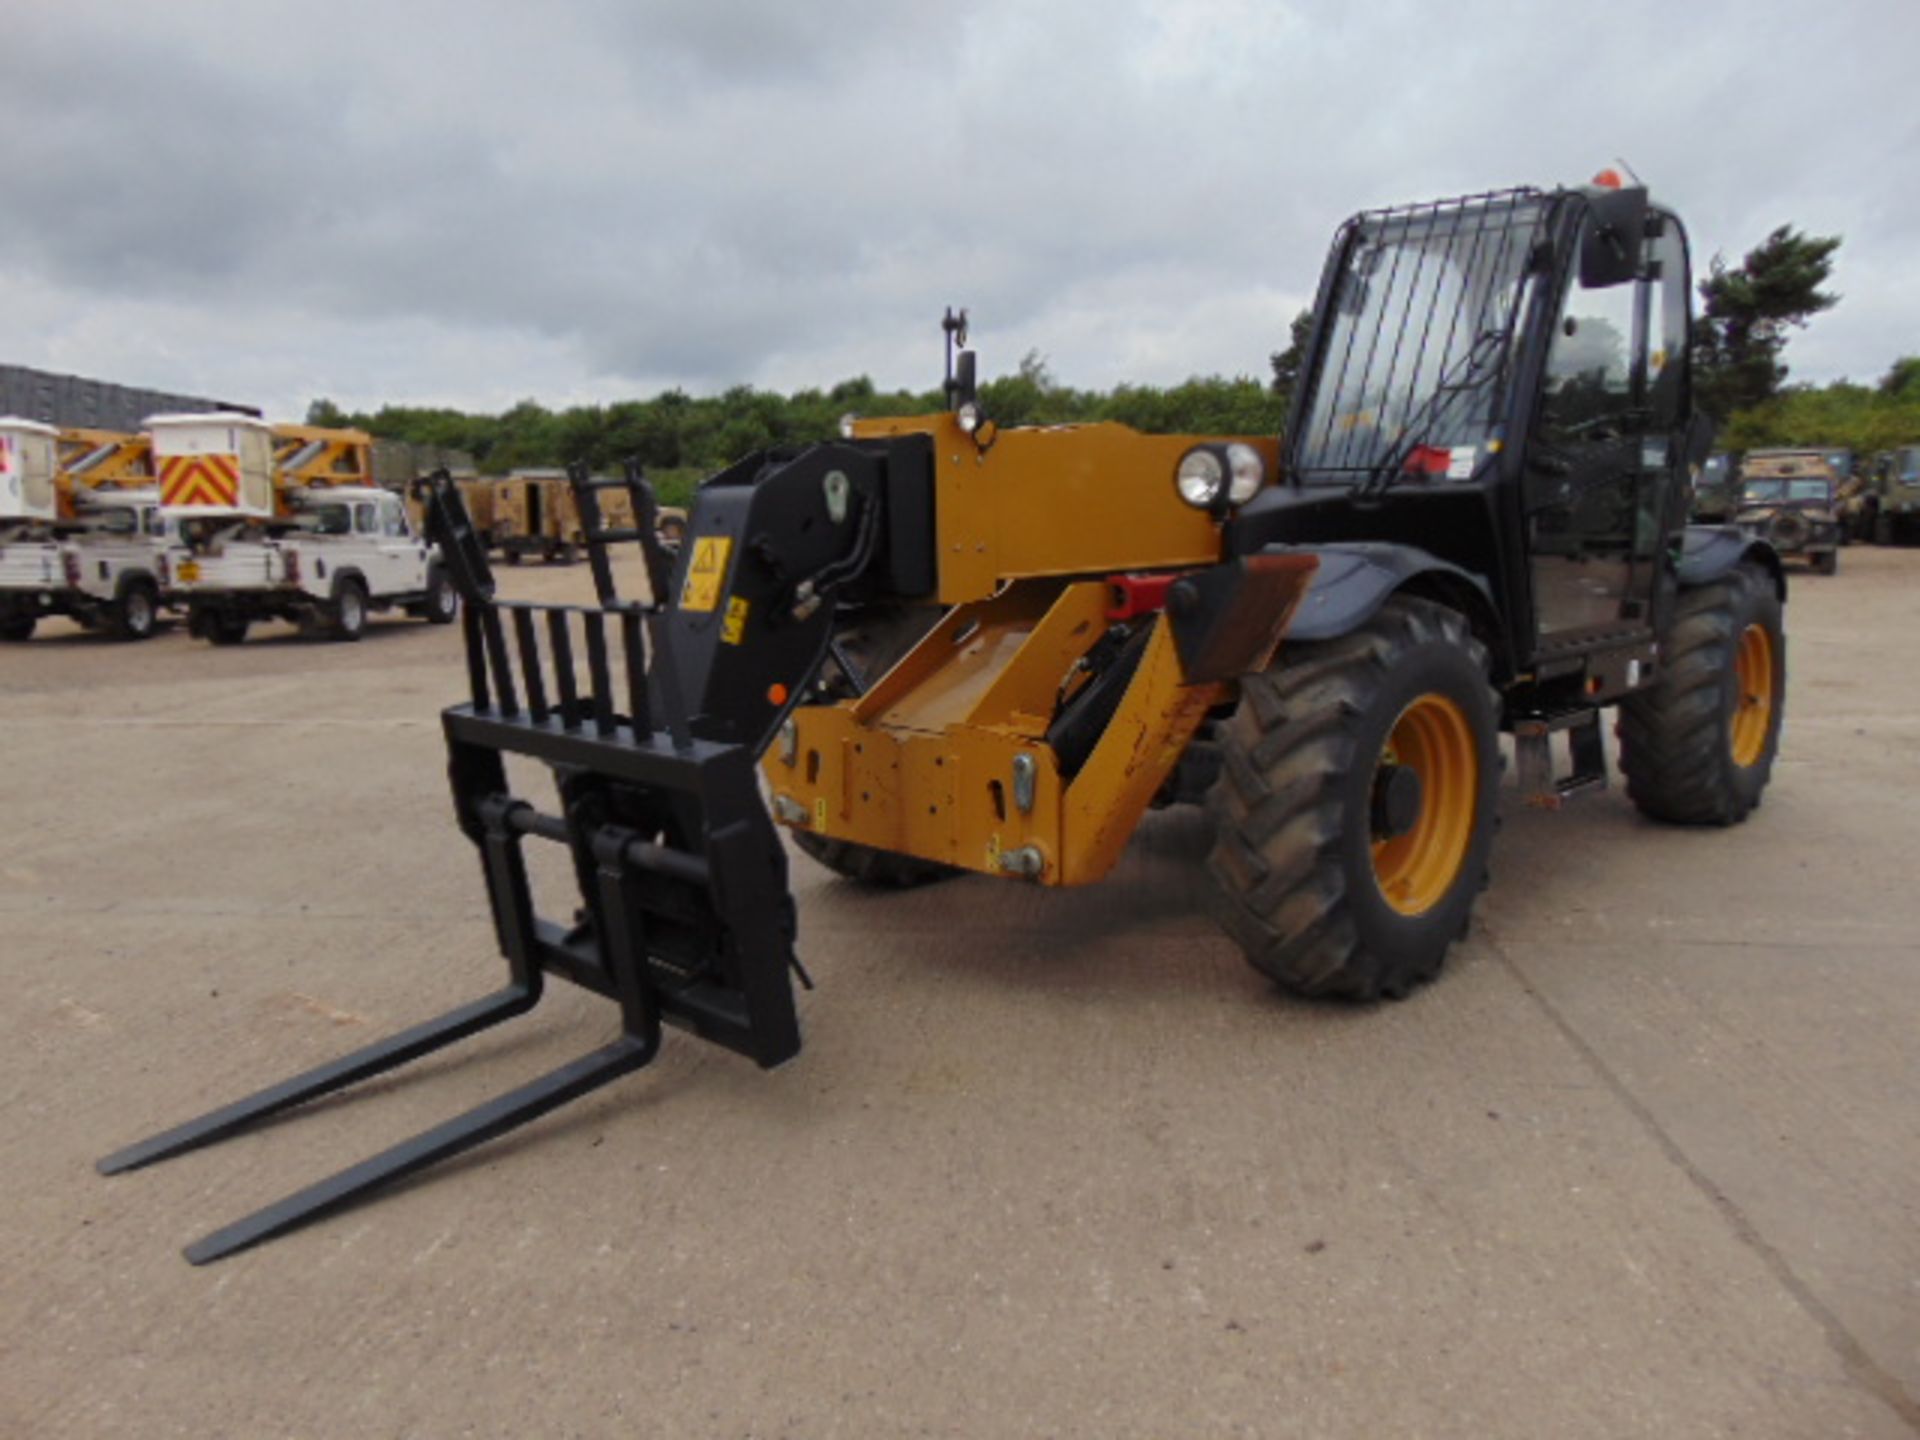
x=1602 y=470
x=403 y=555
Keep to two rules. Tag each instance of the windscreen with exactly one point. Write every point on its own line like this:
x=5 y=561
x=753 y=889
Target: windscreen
x=1420 y=335
x=332 y=519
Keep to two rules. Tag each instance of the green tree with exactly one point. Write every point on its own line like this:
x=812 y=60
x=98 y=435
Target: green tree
x=1747 y=312
x=1286 y=363
x=1902 y=377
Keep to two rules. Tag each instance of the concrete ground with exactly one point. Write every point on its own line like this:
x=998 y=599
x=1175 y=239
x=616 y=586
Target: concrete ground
x=1643 y=1163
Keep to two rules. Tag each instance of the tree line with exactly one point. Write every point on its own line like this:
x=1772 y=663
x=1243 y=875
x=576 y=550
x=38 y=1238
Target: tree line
x=1748 y=311
x=675 y=431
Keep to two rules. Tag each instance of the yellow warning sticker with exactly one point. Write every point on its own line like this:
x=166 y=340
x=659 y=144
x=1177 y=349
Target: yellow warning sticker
x=733 y=629
x=820 y=814
x=701 y=590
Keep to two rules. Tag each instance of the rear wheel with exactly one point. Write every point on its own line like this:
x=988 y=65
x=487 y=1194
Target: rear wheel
x=17 y=627
x=443 y=601
x=135 y=613
x=1355 y=809
x=1826 y=562
x=1697 y=747
x=225 y=629
x=347 y=619
x=869 y=865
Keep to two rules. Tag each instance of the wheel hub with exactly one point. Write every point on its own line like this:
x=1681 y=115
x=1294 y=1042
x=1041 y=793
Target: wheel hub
x=1423 y=803
x=1397 y=797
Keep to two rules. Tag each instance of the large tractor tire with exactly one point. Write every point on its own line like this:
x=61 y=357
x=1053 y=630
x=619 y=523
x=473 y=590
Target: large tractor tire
x=871 y=866
x=1356 y=805
x=1697 y=747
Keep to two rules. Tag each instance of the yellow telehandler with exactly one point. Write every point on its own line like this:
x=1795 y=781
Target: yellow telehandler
x=943 y=645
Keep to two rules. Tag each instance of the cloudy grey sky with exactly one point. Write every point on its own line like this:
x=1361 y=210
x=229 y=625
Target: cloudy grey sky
x=472 y=203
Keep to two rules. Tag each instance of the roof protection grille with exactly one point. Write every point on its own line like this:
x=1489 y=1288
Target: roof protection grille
x=1422 y=302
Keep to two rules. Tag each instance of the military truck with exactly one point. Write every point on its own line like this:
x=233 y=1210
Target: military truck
x=1793 y=505
x=1893 y=495
x=1716 y=490
x=534 y=512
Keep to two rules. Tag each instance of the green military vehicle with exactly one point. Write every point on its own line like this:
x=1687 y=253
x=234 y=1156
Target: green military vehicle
x=1716 y=489
x=1791 y=499
x=1893 y=497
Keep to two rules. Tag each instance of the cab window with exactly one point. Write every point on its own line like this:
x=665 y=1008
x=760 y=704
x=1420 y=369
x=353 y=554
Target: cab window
x=1618 y=360
x=363 y=519
x=1590 y=367
x=393 y=519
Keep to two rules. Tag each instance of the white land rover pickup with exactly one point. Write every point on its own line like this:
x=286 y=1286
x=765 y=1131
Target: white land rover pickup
x=349 y=551
x=111 y=570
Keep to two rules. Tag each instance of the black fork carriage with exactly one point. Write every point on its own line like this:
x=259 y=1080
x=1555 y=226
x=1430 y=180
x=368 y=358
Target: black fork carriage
x=685 y=915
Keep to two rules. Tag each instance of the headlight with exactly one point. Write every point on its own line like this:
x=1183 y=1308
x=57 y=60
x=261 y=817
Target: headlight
x=1245 y=472
x=1200 y=478
x=968 y=417
x=847 y=422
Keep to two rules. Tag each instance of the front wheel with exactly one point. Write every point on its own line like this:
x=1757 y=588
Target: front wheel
x=1355 y=809
x=1697 y=747
x=15 y=628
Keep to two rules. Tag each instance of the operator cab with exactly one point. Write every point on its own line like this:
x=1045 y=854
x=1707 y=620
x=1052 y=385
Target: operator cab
x=1500 y=382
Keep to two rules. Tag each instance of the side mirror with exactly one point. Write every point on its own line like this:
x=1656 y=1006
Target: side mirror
x=1611 y=245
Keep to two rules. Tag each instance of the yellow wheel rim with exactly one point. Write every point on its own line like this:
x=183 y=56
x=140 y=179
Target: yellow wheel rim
x=1434 y=739
x=1753 y=709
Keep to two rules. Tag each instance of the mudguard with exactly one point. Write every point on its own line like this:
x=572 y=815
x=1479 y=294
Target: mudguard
x=1354 y=580
x=1709 y=551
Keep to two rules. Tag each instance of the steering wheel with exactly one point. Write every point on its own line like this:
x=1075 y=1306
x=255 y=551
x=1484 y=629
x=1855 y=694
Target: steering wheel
x=1600 y=427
